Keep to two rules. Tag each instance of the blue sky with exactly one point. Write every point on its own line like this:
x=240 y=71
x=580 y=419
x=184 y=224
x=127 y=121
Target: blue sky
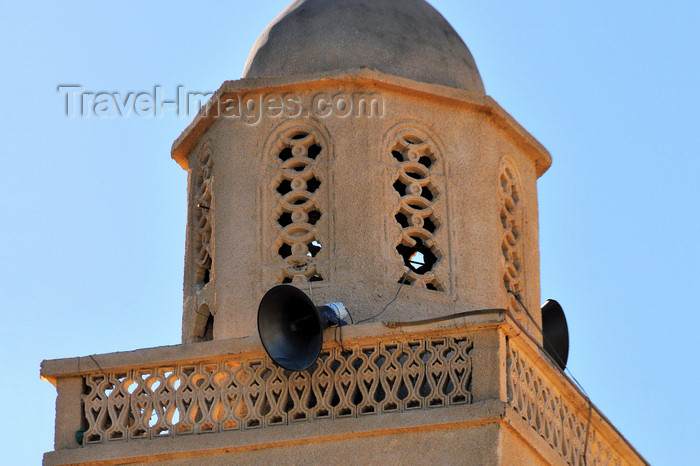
x=93 y=220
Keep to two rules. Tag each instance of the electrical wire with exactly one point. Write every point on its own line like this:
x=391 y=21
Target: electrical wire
x=403 y=280
x=95 y=361
x=395 y=324
x=338 y=337
x=534 y=322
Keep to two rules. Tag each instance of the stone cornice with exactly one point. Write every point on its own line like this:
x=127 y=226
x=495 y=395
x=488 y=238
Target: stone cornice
x=207 y=115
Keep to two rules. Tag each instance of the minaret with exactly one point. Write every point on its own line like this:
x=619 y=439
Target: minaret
x=359 y=160
x=360 y=150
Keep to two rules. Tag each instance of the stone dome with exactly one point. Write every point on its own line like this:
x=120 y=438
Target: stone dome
x=406 y=38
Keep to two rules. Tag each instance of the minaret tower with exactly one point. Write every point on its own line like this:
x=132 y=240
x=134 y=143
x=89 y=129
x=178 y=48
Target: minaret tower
x=360 y=161
x=359 y=146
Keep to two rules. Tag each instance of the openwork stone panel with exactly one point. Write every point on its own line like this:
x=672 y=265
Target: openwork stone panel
x=203 y=202
x=555 y=420
x=299 y=155
x=417 y=182
x=511 y=214
x=236 y=395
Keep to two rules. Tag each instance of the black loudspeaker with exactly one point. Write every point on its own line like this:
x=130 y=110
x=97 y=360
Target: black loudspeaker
x=555 y=332
x=291 y=326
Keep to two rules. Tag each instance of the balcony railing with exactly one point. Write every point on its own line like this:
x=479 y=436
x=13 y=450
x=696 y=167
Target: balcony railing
x=231 y=386
x=235 y=394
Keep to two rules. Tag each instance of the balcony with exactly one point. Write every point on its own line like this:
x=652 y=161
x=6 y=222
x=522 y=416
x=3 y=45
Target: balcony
x=477 y=377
